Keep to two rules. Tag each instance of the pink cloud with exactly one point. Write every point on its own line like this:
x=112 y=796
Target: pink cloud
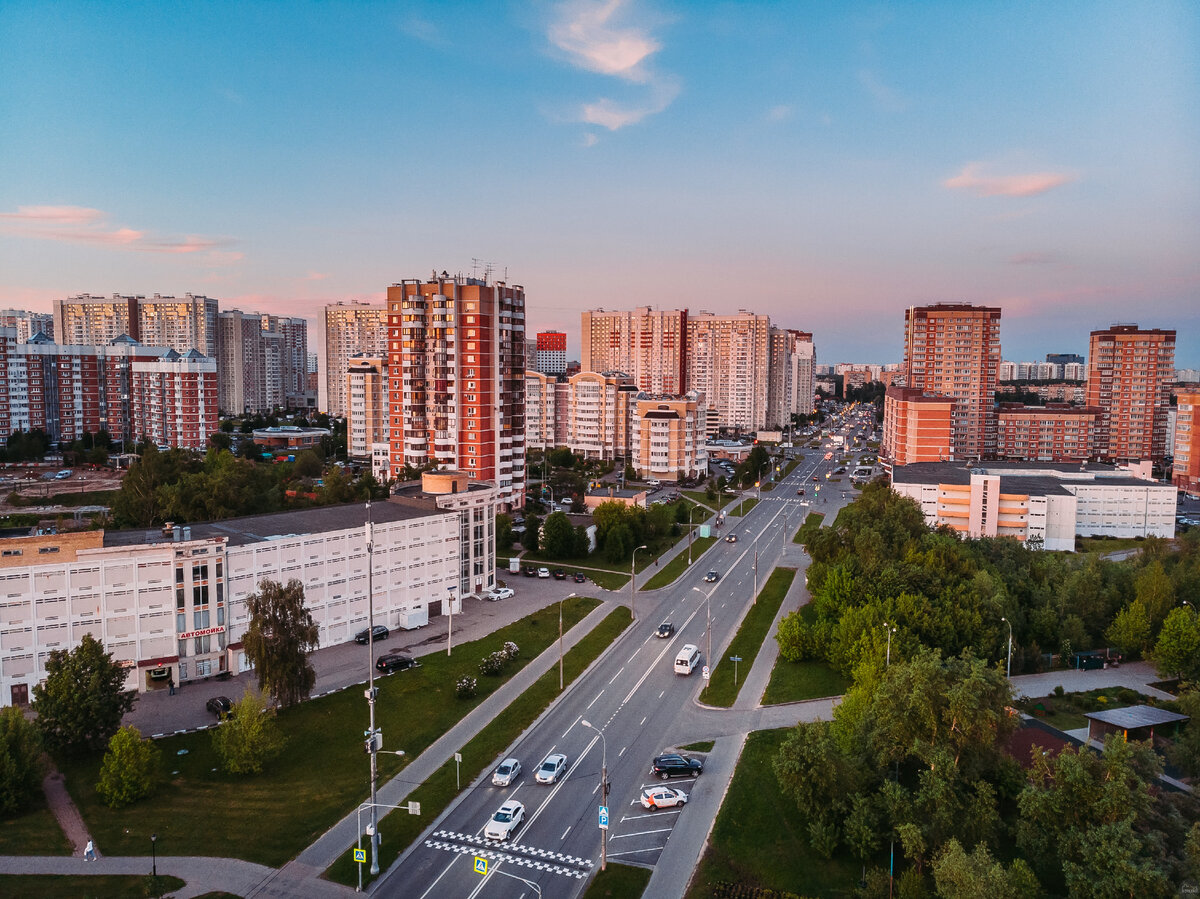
x=82 y=225
x=1027 y=185
x=62 y=215
x=316 y=276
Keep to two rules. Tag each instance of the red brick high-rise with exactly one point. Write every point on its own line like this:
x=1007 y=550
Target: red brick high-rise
x=1129 y=373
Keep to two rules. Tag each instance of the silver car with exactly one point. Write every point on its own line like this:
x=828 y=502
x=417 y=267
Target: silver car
x=553 y=765
x=506 y=773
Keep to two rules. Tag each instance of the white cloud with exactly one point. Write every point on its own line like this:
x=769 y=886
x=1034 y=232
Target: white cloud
x=83 y=225
x=613 y=115
x=1029 y=184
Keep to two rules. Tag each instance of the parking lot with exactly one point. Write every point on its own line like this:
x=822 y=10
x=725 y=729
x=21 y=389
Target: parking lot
x=640 y=835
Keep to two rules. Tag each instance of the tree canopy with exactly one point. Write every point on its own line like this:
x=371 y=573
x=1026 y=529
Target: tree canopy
x=278 y=640
x=83 y=699
x=20 y=761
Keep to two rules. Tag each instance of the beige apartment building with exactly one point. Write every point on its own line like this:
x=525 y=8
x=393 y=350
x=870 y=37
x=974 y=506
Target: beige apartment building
x=1129 y=375
x=598 y=412
x=668 y=436
x=650 y=345
x=540 y=410
x=728 y=362
x=367 y=404
x=790 y=375
x=350 y=329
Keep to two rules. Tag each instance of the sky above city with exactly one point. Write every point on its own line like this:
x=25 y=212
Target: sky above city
x=828 y=164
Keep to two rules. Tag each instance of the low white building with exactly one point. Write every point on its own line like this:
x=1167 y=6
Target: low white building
x=169 y=603
x=1053 y=503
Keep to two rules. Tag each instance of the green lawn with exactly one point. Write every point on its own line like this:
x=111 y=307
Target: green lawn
x=811 y=523
x=678 y=565
x=721 y=689
x=745 y=506
x=618 y=882
x=699 y=496
x=483 y=750
x=1107 y=544
x=609 y=580
x=796 y=681
x=199 y=810
x=34 y=832
x=699 y=746
x=86 y=886
x=760 y=839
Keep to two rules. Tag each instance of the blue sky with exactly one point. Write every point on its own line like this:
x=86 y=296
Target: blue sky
x=825 y=163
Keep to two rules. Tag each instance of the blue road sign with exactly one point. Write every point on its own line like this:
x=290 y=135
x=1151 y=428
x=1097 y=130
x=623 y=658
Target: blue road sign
x=604 y=817
x=360 y=855
x=481 y=865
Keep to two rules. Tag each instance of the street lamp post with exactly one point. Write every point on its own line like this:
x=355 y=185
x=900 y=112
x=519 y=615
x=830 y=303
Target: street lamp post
x=450 y=628
x=891 y=629
x=373 y=739
x=632 y=578
x=603 y=790
x=1008 y=670
x=154 y=855
x=560 y=643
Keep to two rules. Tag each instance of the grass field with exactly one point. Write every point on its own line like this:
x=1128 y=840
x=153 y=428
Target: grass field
x=619 y=882
x=482 y=751
x=678 y=565
x=811 y=523
x=699 y=496
x=1107 y=544
x=721 y=689
x=609 y=580
x=761 y=840
x=797 y=681
x=198 y=810
x=34 y=832
x=86 y=886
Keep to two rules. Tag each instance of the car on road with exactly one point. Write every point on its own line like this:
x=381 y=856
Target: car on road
x=500 y=593
x=559 y=574
x=712 y=577
x=815 y=478
x=395 y=661
x=579 y=577
x=675 y=765
x=543 y=572
x=665 y=630
x=551 y=767
x=506 y=820
x=506 y=773
x=732 y=538
x=529 y=571
x=663 y=797
x=800 y=492
x=219 y=706
x=380 y=633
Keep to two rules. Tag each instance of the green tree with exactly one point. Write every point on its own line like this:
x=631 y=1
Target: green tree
x=558 y=536
x=308 y=465
x=280 y=636
x=1153 y=588
x=1178 y=648
x=130 y=769
x=1184 y=750
x=249 y=737
x=504 y=532
x=81 y=702
x=977 y=875
x=530 y=539
x=618 y=543
x=1130 y=630
x=20 y=761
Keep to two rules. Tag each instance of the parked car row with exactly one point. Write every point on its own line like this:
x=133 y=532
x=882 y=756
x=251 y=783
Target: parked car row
x=558 y=574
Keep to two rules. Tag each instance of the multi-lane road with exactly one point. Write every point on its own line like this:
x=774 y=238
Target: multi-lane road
x=631 y=701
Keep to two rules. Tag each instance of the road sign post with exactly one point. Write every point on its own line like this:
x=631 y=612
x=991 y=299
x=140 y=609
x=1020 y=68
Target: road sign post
x=604 y=817
x=704 y=672
x=481 y=866
x=735 y=660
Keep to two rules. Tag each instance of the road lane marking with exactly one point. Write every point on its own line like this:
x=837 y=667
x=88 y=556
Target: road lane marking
x=568 y=730
x=636 y=851
x=618 y=674
x=622 y=752
x=565 y=832
x=593 y=702
x=641 y=833
x=644 y=720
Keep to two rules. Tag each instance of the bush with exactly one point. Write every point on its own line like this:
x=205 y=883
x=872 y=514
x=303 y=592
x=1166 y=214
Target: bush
x=20 y=760
x=493 y=665
x=129 y=771
x=248 y=737
x=1058 y=691
x=511 y=650
x=466 y=688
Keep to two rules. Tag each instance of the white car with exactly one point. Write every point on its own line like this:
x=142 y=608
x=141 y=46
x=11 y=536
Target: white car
x=500 y=593
x=543 y=572
x=506 y=773
x=506 y=820
x=553 y=765
x=663 y=797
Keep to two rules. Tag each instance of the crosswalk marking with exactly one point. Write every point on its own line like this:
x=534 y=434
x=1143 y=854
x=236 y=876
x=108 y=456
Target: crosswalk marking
x=493 y=855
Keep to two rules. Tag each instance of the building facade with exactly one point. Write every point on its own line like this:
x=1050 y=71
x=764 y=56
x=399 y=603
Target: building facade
x=349 y=329
x=953 y=349
x=551 y=353
x=917 y=427
x=668 y=436
x=27 y=323
x=368 y=407
x=650 y=345
x=598 y=414
x=456 y=366
x=1129 y=375
x=728 y=362
x=540 y=410
x=1185 y=472
x=1051 y=433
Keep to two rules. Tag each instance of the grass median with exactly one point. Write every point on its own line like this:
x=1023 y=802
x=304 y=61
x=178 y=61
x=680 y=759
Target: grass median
x=92 y=886
x=619 y=882
x=722 y=688
x=798 y=681
x=670 y=572
x=745 y=506
x=811 y=523
x=200 y=810
x=436 y=793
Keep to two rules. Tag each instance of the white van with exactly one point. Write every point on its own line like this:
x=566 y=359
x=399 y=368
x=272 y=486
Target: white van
x=687 y=660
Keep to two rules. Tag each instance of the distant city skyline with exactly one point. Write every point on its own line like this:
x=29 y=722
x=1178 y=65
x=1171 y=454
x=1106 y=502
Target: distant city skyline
x=816 y=163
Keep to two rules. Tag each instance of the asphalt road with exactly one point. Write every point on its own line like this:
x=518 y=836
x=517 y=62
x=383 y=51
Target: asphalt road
x=638 y=703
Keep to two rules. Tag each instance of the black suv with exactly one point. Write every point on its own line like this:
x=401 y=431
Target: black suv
x=395 y=662
x=219 y=706
x=381 y=633
x=668 y=766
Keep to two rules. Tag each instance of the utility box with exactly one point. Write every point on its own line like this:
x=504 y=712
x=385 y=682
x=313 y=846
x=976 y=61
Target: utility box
x=411 y=619
x=514 y=566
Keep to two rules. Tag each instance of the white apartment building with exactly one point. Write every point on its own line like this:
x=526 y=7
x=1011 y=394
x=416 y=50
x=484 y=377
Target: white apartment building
x=540 y=410
x=667 y=436
x=599 y=414
x=728 y=362
x=650 y=345
x=1053 y=503
x=367 y=412
x=170 y=603
x=349 y=329
x=27 y=323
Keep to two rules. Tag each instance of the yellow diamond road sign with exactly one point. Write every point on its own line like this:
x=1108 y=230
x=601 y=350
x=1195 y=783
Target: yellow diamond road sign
x=360 y=855
x=480 y=865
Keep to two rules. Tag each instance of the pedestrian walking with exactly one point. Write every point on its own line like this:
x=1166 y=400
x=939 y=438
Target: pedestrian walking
x=170 y=685
x=89 y=852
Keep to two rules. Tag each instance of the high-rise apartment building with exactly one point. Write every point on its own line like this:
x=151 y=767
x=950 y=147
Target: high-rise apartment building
x=540 y=410
x=1056 y=432
x=290 y=336
x=728 y=363
x=262 y=362
x=367 y=415
x=179 y=323
x=668 y=437
x=27 y=323
x=86 y=320
x=1185 y=473
x=551 y=358
x=790 y=382
x=917 y=427
x=803 y=363
x=350 y=329
x=598 y=412
x=649 y=345
x=1129 y=373
x=953 y=349
x=456 y=367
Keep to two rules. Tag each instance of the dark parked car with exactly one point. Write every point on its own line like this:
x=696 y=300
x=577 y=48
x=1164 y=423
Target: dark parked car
x=529 y=571
x=667 y=766
x=219 y=706
x=381 y=633
x=559 y=574
x=395 y=662
x=579 y=577
x=712 y=577
x=665 y=629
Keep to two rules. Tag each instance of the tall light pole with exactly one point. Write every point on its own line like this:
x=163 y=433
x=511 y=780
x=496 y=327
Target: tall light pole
x=450 y=628
x=603 y=790
x=373 y=739
x=707 y=626
x=1008 y=670
x=154 y=855
x=560 y=645
x=754 y=601
x=632 y=577
x=891 y=629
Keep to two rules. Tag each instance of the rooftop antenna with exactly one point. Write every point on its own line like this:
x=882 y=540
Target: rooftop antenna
x=475 y=262
x=487 y=273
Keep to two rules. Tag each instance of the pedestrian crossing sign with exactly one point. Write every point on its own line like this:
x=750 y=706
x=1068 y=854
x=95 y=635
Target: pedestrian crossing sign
x=480 y=865
x=360 y=855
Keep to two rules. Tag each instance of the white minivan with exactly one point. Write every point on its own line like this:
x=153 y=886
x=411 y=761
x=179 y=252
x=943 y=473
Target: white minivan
x=687 y=660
